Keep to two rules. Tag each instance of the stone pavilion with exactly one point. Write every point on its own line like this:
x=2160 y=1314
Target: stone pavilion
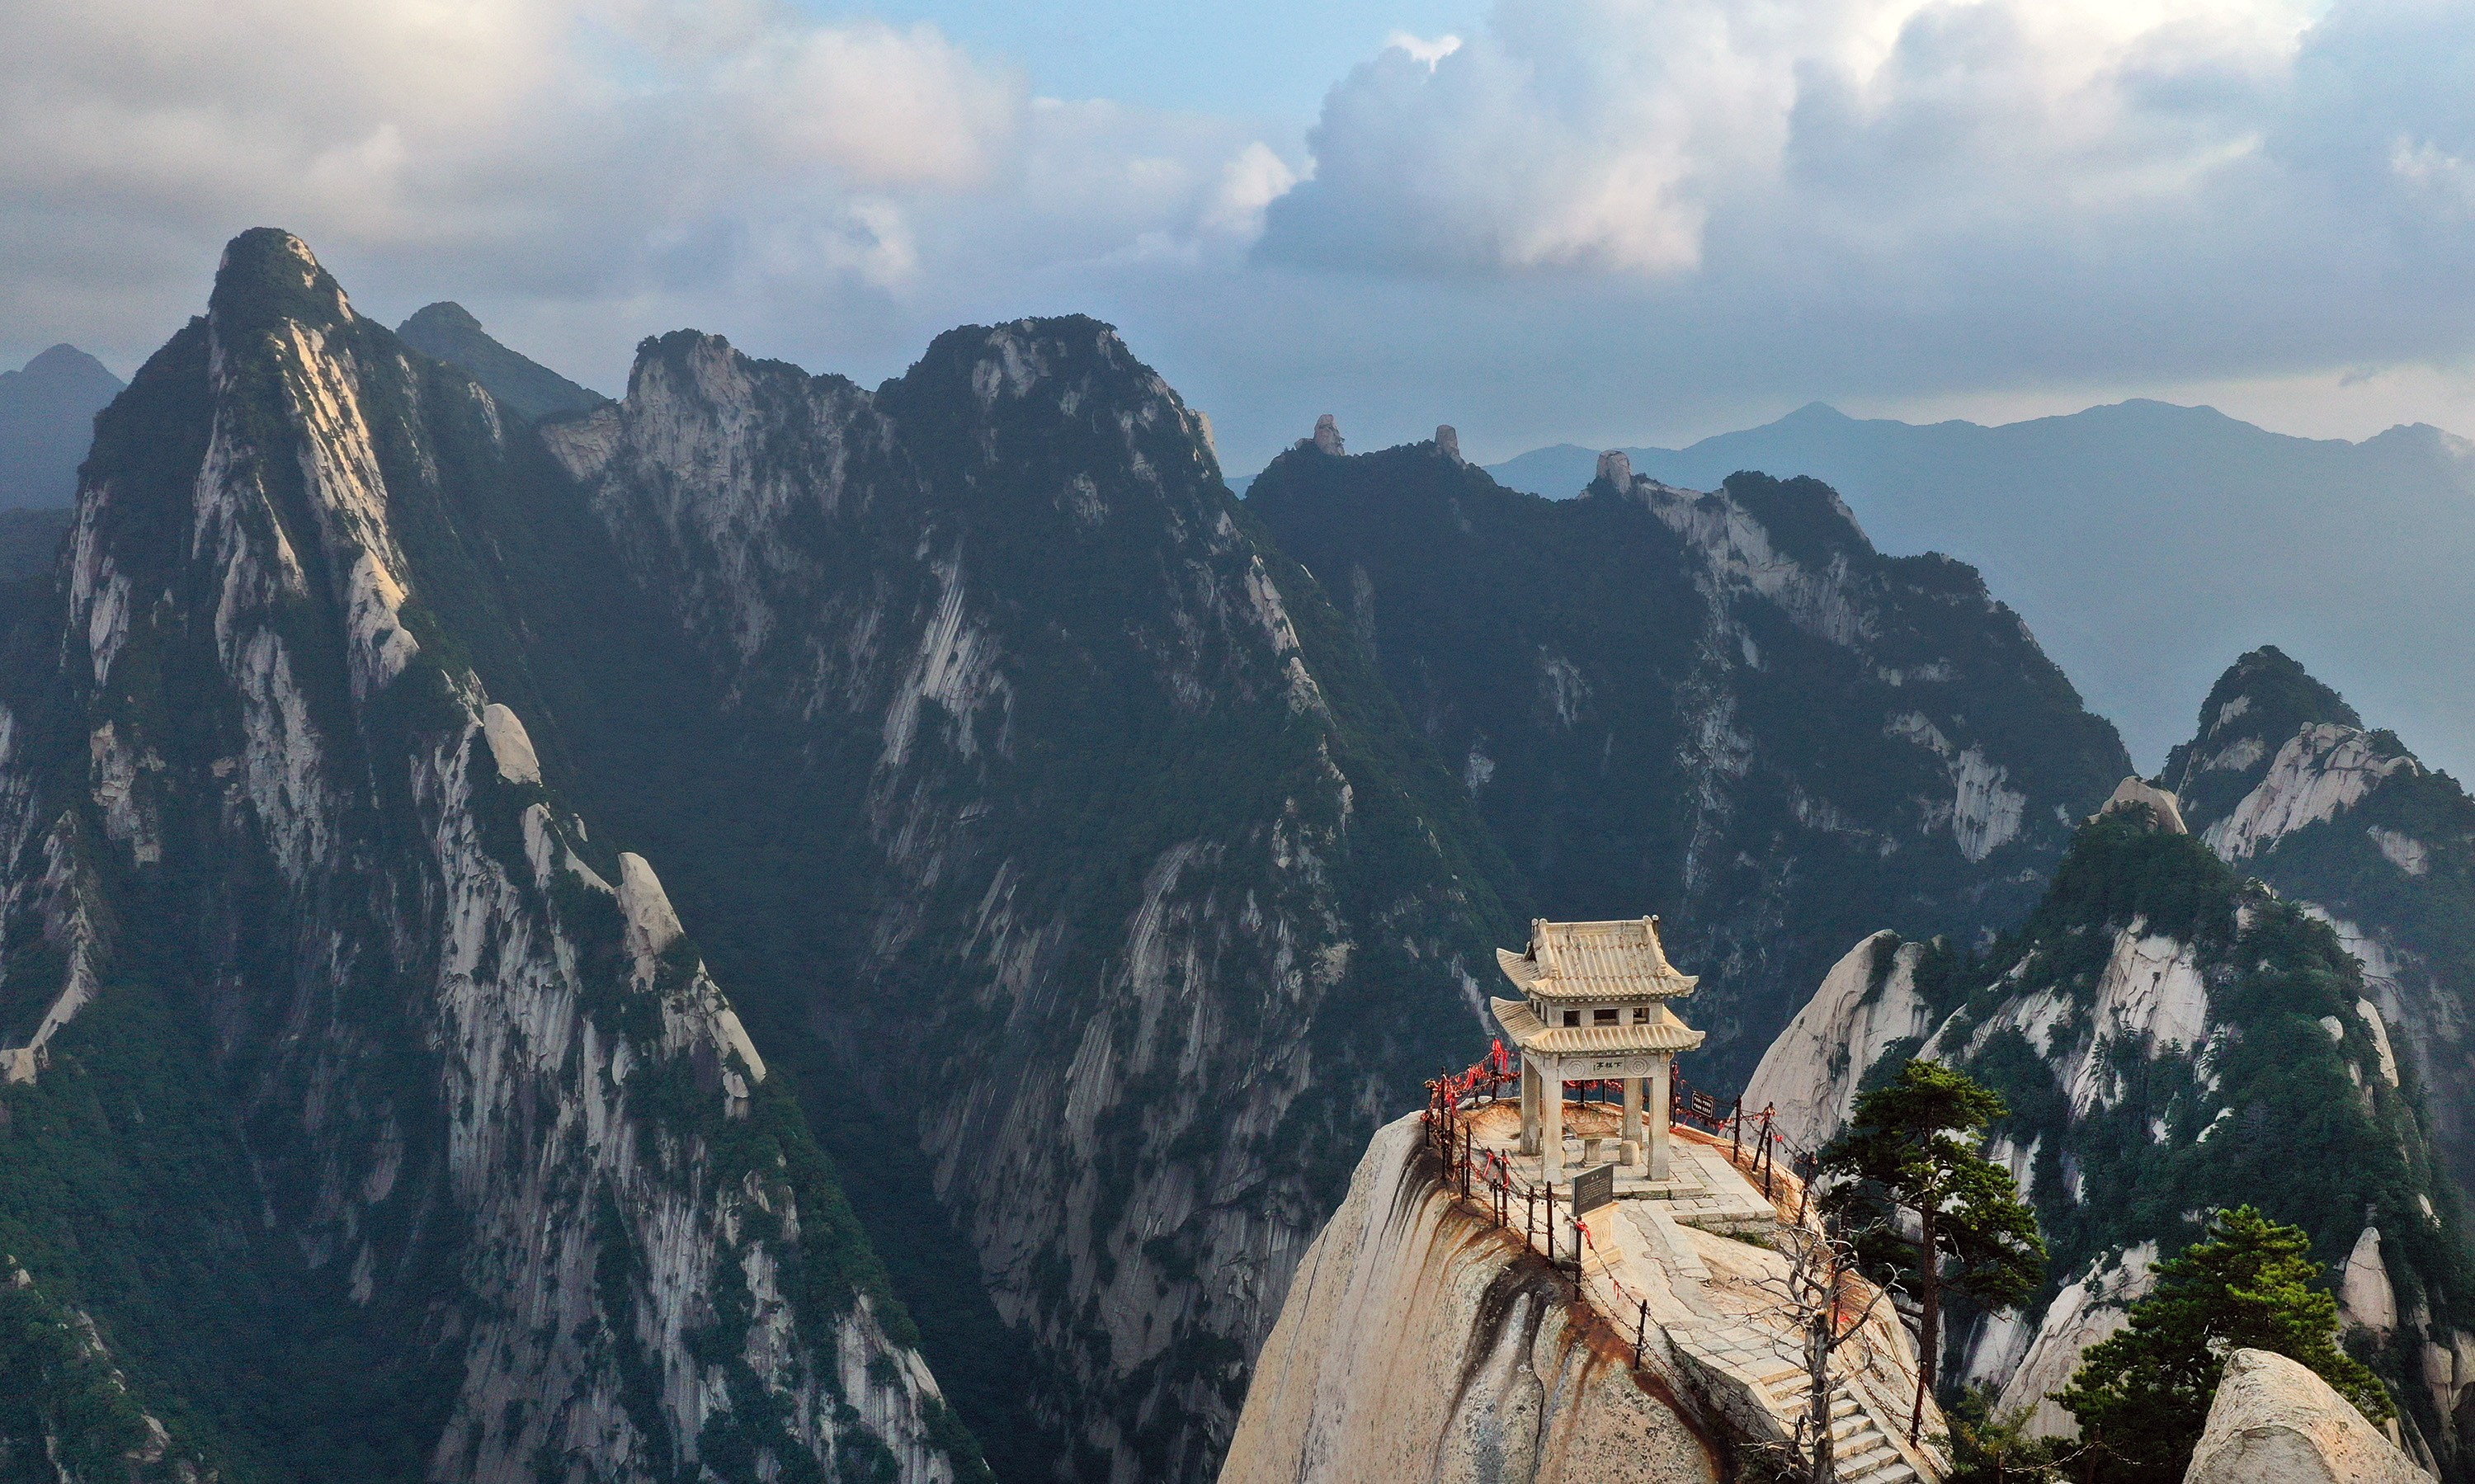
x=1593 y=1008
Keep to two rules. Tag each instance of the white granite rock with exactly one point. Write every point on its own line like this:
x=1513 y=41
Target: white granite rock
x=1326 y=435
x=2134 y=791
x=1414 y=1344
x=2274 y=1421
x=511 y=745
x=2365 y=1295
x=1615 y=467
x=1448 y=442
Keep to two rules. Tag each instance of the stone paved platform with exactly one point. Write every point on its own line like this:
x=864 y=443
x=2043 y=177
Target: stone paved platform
x=1681 y=1262
x=1703 y=1189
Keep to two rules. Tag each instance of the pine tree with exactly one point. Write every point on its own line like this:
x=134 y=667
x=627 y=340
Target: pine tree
x=2142 y=1396
x=1913 y=1146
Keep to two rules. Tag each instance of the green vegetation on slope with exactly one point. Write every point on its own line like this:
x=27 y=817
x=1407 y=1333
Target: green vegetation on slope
x=2271 y=1117
x=126 y=1188
x=1640 y=735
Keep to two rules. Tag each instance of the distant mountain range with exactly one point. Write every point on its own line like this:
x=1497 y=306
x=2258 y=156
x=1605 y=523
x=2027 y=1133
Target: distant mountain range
x=46 y=421
x=2144 y=542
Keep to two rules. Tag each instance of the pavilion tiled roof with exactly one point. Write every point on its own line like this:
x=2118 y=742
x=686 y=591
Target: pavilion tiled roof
x=1595 y=961
x=1521 y=1022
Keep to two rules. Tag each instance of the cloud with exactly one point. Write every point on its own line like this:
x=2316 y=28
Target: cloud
x=1420 y=49
x=1618 y=219
x=2015 y=186
x=731 y=158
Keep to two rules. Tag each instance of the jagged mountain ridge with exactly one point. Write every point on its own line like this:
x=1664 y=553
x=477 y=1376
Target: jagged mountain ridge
x=508 y=1155
x=2285 y=781
x=449 y=332
x=2172 y=1039
x=1726 y=707
x=2136 y=595
x=1095 y=854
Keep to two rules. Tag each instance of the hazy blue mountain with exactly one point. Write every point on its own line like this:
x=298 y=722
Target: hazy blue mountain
x=450 y=332
x=46 y=421
x=29 y=540
x=2144 y=542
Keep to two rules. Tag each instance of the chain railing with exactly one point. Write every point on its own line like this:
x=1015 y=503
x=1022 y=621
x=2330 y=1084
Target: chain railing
x=1484 y=1179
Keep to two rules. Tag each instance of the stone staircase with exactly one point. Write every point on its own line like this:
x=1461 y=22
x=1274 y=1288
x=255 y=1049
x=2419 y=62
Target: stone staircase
x=1862 y=1451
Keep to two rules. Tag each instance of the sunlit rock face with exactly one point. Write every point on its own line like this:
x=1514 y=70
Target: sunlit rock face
x=512 y=1155
x=1724 y=705
x=2273 y=1422
x=1091 y=852
x=1419 y=1342
x=2284 y=780
x=2172 y=1039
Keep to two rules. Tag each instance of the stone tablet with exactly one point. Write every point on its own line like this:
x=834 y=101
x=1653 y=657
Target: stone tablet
x=1593 y=1188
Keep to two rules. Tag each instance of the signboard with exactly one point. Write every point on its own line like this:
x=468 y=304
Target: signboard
x=1593 y=1188
x=1594 y=1068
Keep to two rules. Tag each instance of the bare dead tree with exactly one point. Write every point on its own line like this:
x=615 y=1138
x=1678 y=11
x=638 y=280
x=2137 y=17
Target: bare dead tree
x=1830 y=1303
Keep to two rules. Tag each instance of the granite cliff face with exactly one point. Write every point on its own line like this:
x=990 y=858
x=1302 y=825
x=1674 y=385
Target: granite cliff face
x=2284 y=780
x=1422 y=1343
x=1727 y=704
x=2172 y=1039
x=482 y=1174
x=1082 y=840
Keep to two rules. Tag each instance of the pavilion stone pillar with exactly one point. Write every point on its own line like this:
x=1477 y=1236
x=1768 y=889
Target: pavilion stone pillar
x=1659 y=1103
x=1593 y=1005
x=1530 y=1112
x=1632 y=1110
x=1551 y=1131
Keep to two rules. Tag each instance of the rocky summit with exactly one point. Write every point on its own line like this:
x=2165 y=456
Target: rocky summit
x=2172 y=1038
x=504 y=815
x=372 y=1115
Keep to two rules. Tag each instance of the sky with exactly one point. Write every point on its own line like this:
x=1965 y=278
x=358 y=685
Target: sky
x=1596 y=221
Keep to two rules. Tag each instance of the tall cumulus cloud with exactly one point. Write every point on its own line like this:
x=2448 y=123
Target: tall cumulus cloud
x=2182 y=186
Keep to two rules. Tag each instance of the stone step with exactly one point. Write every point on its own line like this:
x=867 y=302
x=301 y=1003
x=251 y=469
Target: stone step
x=1883 y=1470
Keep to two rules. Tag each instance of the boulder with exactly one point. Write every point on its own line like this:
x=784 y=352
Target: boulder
x=2273 y=1422
x=2365 y=1295
x=511 y=748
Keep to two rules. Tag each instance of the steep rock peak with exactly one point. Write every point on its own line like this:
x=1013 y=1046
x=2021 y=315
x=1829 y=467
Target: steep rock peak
x=2163 y=806
x=1615 y=468
x=1448 y=442
x=268 y=275
x=1326 y=435
x=2262 y=694
x=449 y=332
x=1805 y=518
x=689 y=362
x=1015 y=359
x=445 y=315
